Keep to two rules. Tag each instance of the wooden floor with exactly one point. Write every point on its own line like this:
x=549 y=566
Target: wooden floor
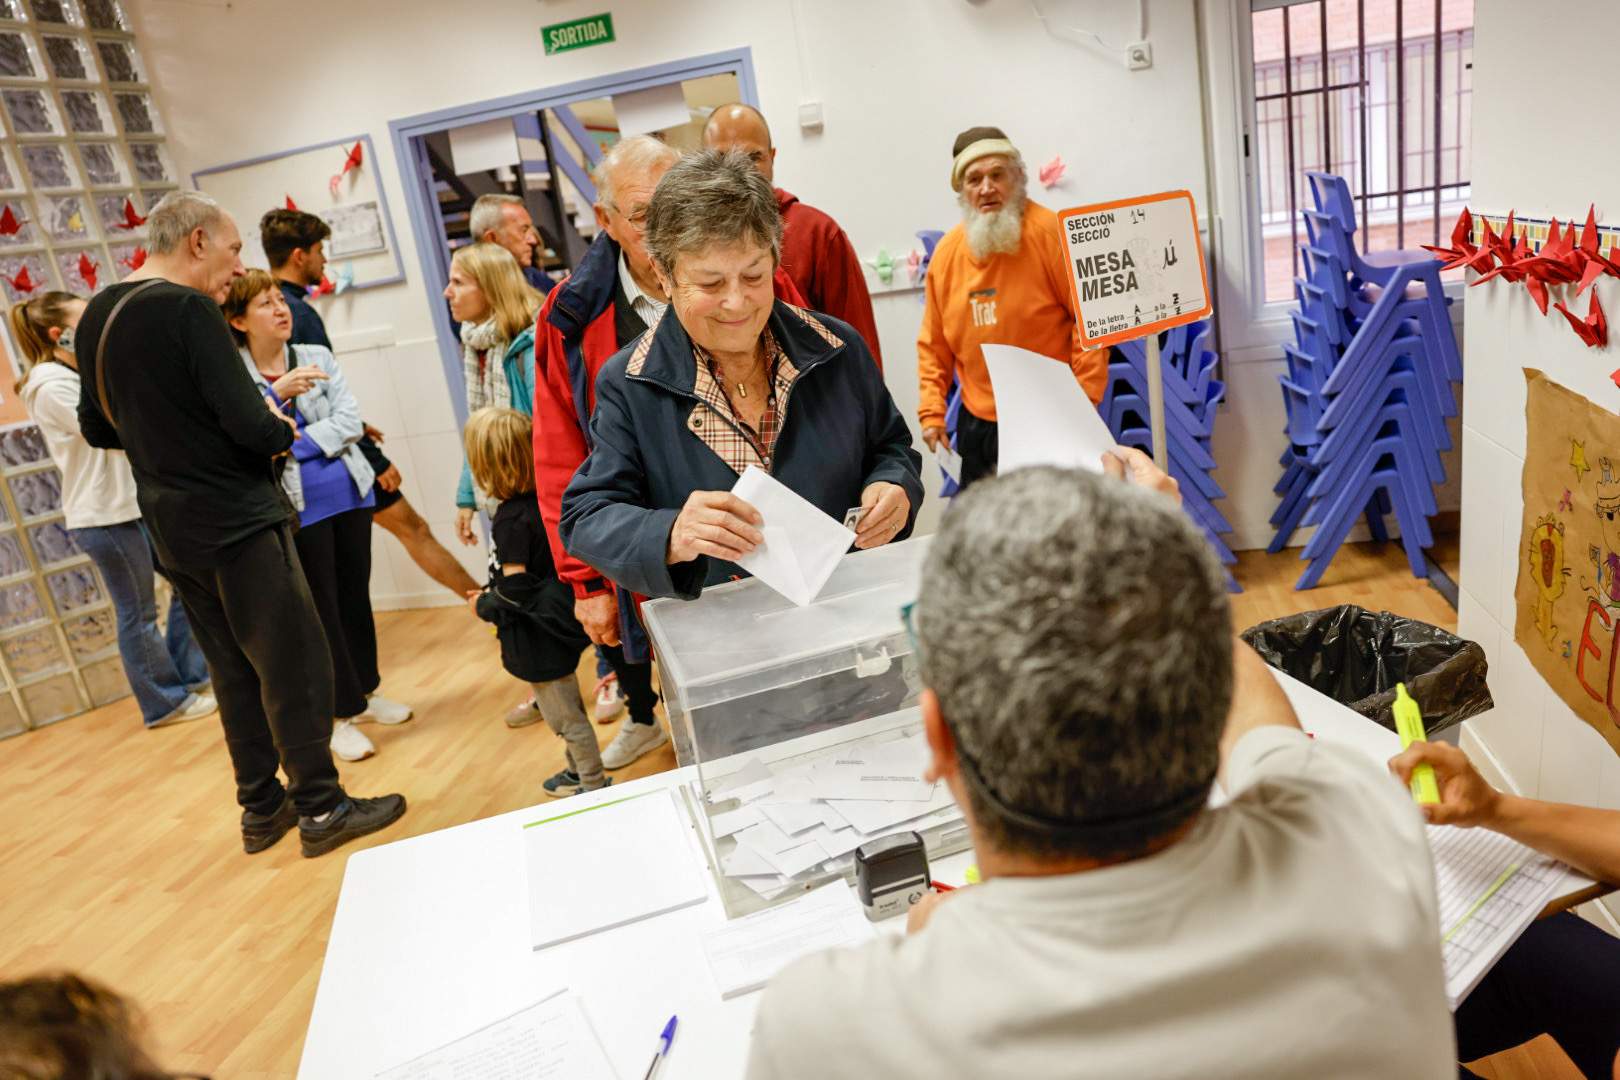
x=122 y=858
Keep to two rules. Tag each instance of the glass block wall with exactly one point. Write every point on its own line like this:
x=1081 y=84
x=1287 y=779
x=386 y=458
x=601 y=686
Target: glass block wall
x=82 y=157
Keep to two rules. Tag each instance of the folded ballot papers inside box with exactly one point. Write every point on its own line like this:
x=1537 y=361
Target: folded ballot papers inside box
x=803 y=725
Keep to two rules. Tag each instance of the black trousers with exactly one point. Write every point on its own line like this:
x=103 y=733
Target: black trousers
x=1562 y=978
x=256 y=622
x=979 y=444
x=336 y=553
x=636 y=682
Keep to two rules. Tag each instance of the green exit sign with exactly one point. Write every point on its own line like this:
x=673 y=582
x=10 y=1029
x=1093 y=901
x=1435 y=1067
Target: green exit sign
x=578 y=33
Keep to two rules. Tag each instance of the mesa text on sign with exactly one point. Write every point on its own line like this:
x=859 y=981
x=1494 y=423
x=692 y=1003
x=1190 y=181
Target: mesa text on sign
x=1136 y=266
x=578 y=33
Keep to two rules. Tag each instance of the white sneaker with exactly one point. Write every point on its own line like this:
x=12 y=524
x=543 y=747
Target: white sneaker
x=383 y=711
x=609 y=699
x=632 y=741
x=201 y=705
x=349 y=742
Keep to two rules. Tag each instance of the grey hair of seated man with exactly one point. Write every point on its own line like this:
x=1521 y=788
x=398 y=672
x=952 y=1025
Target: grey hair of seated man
x=1076 y=632
x=635 y=152
x=176 y=216
x=708 y=198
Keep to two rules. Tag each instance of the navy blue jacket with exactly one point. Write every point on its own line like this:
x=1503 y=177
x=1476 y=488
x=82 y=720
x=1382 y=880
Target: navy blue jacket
x=308 y=326
x=840 y=431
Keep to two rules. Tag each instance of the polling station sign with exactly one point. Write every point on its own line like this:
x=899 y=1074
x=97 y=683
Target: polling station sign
x=1136 y=266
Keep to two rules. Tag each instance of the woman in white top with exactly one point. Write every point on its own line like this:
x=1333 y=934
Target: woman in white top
x=167 y=673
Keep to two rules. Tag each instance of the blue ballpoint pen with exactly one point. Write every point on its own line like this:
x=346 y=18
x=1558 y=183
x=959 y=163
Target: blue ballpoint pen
x=663 y=1048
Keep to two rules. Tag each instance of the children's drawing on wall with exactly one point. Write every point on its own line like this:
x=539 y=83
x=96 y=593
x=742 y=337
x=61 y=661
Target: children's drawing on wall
x=1568 y=590
x=1547 y=564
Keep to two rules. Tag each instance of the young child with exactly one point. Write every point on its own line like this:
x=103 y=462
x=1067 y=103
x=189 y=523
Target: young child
x=533 y=612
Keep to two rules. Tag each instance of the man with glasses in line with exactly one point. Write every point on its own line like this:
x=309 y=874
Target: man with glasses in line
x=1082 y=690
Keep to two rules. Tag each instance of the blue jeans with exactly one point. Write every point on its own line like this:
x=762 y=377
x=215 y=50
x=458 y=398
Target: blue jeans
x=161 y=671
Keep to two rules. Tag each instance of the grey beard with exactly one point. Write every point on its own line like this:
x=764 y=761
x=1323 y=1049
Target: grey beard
x=995 y=233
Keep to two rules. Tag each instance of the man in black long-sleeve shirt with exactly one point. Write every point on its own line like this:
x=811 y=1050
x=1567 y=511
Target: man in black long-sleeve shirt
x=202 y=443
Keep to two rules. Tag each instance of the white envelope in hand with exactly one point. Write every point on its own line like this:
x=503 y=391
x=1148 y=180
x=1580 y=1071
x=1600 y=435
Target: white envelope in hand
x=802 y=545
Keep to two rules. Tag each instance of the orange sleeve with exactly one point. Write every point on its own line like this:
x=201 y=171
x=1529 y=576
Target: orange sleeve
x=935 y=360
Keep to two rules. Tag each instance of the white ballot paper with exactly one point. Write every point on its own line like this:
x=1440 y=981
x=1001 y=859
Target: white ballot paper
x=949 y=462
x=745 y=953
x=607 y=865
x=1043 y=416
x=802 y=545
x=550 y=1040
x=891 y=772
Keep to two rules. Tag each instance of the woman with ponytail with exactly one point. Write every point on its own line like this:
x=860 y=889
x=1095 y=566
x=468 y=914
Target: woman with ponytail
x=166 y=672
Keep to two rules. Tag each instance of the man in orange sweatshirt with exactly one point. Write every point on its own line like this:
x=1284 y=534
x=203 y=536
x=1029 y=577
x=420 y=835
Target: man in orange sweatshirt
x=1000 y=277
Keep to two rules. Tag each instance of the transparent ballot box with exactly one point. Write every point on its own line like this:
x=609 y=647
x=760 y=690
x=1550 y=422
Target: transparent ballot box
x=802 y=724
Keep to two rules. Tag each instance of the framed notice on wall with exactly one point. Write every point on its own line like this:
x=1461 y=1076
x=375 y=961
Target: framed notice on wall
x=337 y=181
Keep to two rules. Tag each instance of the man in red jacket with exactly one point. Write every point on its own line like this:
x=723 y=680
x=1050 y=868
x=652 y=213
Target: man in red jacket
x=611 y=297
x=815 y=252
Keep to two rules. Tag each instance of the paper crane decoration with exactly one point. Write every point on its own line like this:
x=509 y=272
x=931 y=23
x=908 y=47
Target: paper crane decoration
x=345 y=279
x=21 y=281
x=10 y=225
x=88 y=269
x=914 y=263
x=1051 y=174
x=1594 y=329
x=930 y=239
x=326 y=286
x=290 y=204
x=134 y=260
x=1565 y=258
x=132 y=220
x=883 y=266
x=75 y=222
x=350 y=163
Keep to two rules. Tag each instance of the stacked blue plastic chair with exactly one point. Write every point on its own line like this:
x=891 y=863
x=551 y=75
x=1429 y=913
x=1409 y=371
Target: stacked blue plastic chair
x=1368 y=390
x=1191 y=394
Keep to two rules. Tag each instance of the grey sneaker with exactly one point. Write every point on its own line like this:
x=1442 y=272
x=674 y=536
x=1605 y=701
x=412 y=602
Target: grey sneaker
x=632 y=741
x=199 y=706
x=567 y=783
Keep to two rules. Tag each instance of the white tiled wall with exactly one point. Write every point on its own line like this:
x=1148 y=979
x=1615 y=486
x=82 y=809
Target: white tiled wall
x=1535 y=160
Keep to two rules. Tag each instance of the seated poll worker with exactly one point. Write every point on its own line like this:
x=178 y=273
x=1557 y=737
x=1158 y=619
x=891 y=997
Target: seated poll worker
x=1081 y=691
x=726 y=378
x=1562 y=978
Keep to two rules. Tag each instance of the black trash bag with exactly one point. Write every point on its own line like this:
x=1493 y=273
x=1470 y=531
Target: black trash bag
x=1356 y=657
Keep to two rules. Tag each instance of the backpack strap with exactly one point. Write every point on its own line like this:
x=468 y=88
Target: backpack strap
x=101 y=347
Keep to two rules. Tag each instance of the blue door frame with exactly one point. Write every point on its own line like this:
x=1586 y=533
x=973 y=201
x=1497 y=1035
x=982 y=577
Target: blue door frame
x=423 y=206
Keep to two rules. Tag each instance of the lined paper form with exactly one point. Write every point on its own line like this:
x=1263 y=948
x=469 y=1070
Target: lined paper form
x=550 y=1040
x=1490 y=887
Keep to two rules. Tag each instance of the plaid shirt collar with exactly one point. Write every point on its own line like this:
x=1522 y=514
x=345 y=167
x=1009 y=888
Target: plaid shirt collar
x=737 y=444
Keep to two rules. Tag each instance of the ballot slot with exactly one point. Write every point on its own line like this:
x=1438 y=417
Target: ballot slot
x=789 y=712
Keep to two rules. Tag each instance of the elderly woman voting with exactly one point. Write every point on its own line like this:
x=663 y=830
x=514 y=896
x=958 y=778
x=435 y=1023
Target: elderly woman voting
x=734 y=378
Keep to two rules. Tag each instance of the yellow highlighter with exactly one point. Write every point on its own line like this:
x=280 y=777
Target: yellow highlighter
x=1409 y=725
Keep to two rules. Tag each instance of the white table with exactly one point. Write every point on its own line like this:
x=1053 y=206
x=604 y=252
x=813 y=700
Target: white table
x=431 y=941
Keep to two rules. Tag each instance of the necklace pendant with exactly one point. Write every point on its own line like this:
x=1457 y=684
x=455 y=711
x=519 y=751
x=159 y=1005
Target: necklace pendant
x=742 y=390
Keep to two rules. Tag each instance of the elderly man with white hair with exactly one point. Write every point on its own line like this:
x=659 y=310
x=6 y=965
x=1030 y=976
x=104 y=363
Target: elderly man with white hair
x=162 y=381
x=505 y=220
x=1000 y=277
x=612 y=296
